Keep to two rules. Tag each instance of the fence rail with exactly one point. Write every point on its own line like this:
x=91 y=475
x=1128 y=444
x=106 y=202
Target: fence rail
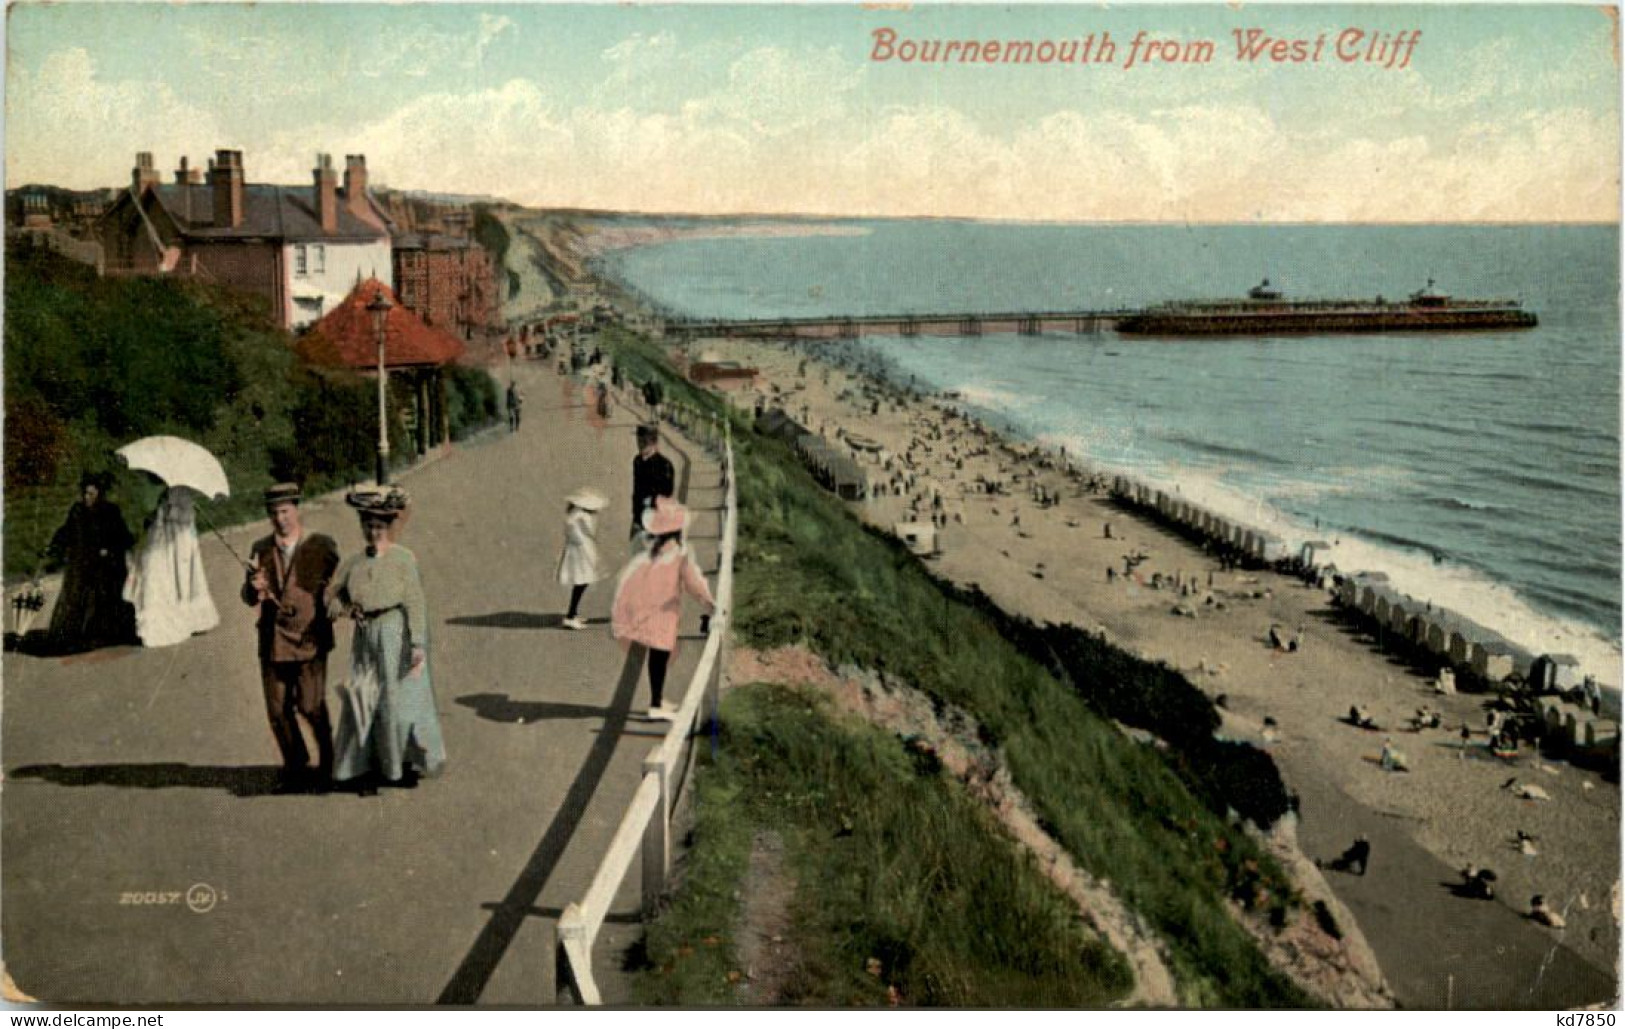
x=646 y=826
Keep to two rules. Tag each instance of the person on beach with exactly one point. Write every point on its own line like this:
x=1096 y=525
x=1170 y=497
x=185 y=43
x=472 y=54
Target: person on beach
x=288 y=581
x=166 y=584
x=388 y=728
x=649 y=596
x=90 y=546
x=1539 y=912
x=1392 y=760
x=1356 y=859
x=578 y=562
x=652 y=475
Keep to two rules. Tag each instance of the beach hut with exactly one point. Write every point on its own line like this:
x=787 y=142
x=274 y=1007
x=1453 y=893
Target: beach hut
x=1600 y=733
x=1315 y=553
x=1274 y=549
x=1400 y=609
x=1493 y=661
x=1238 y=536
x=1348 y=593
x=1436 y=633
x=1553 y=673
x=1244 y=540
x=920 y=537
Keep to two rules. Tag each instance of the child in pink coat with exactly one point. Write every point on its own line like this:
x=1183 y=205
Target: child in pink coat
x=649 y=595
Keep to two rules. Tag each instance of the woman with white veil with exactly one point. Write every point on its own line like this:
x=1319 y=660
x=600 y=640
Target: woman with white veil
x=166 y=582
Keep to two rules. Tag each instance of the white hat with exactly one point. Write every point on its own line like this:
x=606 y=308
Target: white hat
x=588 y=499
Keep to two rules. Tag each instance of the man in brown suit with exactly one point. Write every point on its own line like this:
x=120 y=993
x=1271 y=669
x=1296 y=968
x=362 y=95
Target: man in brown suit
x=289 y=585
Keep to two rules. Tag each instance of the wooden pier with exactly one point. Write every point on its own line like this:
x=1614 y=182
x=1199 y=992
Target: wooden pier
x=835 y=327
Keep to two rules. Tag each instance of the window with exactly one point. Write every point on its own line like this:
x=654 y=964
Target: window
x=299 y=259
x=321 y=259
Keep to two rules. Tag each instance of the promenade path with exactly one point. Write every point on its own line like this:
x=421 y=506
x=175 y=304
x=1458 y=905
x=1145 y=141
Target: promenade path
x=130 y=771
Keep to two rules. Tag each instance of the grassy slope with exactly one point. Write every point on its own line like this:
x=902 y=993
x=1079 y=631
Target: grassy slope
x=809 y=574
x=894 y=863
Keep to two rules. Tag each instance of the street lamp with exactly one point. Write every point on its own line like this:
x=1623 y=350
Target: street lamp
x=380 y=308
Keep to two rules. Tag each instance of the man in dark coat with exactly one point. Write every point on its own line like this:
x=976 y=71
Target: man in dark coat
x=91 y=546
x=288 y=583
x=652 y=475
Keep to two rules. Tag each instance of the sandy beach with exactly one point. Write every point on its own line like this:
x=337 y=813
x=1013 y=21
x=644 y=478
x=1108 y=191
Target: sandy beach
x=1050 y=562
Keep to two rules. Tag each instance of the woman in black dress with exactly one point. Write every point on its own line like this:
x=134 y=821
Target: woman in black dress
x=91 y=546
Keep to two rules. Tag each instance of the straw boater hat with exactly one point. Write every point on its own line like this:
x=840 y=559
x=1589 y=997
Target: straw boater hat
x=386 y=502
x=282 y=493
x=666 y=516
x=588 y=499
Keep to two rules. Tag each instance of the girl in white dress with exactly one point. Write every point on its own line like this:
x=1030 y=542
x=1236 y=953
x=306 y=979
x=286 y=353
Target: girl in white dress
x=578 y=563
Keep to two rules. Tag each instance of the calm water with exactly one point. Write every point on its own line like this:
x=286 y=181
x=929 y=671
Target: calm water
x=1482 y=470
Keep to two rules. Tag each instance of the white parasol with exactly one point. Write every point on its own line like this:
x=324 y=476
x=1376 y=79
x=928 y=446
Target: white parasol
x=178 y=462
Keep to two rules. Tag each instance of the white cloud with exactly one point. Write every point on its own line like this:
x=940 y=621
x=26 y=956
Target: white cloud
x=785 y=130
x=66 y=126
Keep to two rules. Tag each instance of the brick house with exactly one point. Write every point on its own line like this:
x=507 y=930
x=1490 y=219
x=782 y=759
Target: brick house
x=302 y=248
x=449 y=281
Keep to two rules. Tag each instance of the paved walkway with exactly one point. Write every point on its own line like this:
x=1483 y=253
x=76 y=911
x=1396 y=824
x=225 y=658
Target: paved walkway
x=134 y=774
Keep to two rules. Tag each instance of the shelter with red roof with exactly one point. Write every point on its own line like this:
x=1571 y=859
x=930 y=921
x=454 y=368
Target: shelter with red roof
x=415 y=354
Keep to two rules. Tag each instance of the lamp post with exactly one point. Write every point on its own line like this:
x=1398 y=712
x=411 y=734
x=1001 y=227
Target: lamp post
x=380 y=308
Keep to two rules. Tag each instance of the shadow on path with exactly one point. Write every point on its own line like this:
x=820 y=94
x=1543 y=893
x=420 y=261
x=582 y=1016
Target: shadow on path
x=499 y=707
x=510 y=620
x=509 y=914
x=249 y=781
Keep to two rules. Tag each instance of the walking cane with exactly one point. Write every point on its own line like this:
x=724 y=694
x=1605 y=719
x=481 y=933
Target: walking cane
x=222 y=539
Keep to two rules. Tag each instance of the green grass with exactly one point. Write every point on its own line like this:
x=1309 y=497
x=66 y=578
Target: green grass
x=809 y=574
x=890 y=861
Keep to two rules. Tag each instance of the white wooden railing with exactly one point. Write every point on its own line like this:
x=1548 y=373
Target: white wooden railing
x=646 y=826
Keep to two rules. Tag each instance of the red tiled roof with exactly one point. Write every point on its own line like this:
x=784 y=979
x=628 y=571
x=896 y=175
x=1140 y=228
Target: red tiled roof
x=346 y=335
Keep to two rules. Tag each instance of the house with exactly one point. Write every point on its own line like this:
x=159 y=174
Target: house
x=415 y=355
x=449 y=281
x=299 y=247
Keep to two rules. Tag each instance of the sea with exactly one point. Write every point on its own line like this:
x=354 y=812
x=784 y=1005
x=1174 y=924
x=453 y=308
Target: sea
x=1481 y=471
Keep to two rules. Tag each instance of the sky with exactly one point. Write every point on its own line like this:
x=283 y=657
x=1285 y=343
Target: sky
x=1497 y=113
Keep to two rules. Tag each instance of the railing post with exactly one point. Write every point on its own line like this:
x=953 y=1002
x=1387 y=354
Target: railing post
x=570 y=945
x=657 y=836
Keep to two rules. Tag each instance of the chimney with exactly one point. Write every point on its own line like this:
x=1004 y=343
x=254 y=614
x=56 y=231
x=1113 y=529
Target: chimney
x=327 y=193
x=226 y=182
x=183 y=179
x=144 y=174
x=355 y=185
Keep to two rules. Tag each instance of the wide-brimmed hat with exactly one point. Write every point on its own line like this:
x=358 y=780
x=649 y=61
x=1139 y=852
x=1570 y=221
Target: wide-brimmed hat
x=372 y=501
x=283 y=492
x=666 y=516
x=588 y=499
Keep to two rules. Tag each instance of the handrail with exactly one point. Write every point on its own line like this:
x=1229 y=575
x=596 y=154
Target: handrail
x=646 y=826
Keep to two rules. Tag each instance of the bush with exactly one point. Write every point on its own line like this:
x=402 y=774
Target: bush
x=471 y=399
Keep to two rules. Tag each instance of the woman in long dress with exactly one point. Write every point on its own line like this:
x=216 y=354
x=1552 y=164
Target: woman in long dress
x=388 y=728
x=166 y=583
x=649 y=595
x=91 y=546
x=578 y=562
